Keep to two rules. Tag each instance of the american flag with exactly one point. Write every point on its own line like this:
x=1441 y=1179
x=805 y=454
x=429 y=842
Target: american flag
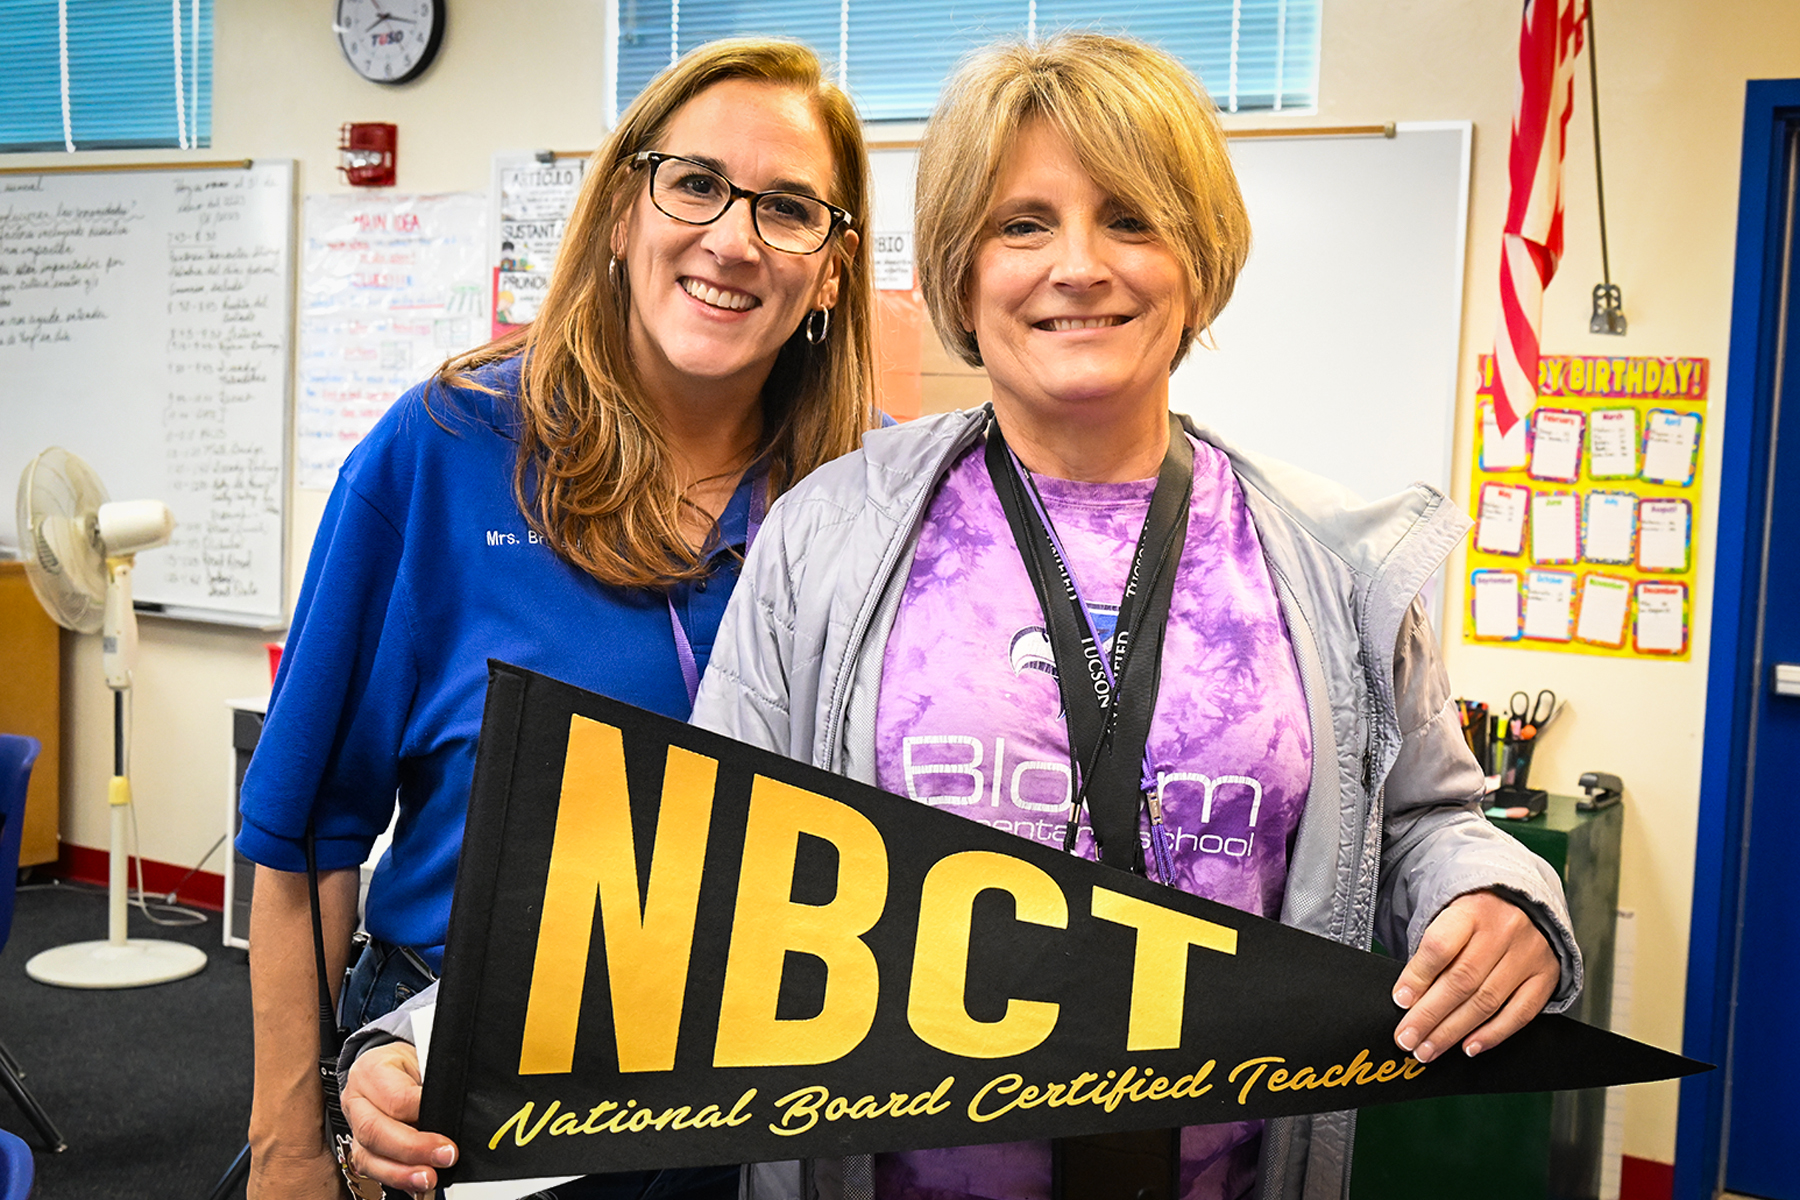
x=1549 y=41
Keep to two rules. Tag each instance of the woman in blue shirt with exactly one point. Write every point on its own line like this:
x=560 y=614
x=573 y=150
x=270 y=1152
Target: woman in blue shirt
x=573 y=499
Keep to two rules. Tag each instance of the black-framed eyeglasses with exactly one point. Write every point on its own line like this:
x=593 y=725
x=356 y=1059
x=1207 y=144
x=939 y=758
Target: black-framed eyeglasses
x=695 y=194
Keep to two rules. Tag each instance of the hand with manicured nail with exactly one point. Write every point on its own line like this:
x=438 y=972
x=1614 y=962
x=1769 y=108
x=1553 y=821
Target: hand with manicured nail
x=1482 y=971
x=381 y=1102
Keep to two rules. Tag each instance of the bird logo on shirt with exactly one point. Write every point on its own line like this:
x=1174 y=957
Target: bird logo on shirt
x=1030 y=651
x=1030 y=648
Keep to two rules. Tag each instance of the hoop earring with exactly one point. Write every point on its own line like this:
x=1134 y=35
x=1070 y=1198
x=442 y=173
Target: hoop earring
x=612 y=271
x=819 y=318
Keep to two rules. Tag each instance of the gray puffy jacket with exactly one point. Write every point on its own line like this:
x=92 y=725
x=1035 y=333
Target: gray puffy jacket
x=1392 y=829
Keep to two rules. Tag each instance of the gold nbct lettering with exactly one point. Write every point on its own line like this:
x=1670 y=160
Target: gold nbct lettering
x=768 y=924
x=937 y=1006
x=1159 y=972
x=519 y=1120
x=647 y=949
x=931 y=1103
x=803 y=1106
x=1261 y=1065
x=1075 y=1085
x=1005 y=1085
x=1195 y=1084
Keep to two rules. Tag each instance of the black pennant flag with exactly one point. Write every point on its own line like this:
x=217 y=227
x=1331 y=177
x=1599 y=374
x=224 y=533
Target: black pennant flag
x=672 y=949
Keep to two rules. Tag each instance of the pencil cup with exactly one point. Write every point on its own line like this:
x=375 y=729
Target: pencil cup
x=1515 y=773
x=1515 y=766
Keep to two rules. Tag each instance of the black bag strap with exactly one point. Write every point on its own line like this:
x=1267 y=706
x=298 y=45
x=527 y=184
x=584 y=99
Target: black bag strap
x=331 y=1041
x=1108 y=705
x=331 y=1038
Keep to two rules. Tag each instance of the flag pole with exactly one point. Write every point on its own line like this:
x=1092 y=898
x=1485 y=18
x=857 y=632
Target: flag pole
x=1609 y=305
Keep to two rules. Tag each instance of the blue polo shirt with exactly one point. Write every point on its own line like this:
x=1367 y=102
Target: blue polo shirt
x=423 y=569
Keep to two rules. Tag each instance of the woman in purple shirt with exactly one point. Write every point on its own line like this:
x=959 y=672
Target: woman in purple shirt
x=1073 y=617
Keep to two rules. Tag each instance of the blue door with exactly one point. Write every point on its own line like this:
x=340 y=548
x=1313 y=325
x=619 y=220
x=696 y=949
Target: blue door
x=1738 y=1124
x=1763 y=1088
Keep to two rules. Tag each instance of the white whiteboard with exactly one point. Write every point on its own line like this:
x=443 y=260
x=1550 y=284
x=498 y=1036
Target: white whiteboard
x=1338 y=350
x=144 y=325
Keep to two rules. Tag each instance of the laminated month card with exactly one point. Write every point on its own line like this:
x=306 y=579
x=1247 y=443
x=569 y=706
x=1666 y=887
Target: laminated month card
x=1549 y=606
x=672 y=949
x=1494 y=598
x=1584 y=504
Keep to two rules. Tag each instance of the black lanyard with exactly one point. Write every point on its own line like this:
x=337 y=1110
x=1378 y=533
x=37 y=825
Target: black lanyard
x=1107 y=701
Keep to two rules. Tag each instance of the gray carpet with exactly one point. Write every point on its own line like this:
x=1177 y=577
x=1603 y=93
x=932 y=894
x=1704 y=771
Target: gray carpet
x=149 y=1086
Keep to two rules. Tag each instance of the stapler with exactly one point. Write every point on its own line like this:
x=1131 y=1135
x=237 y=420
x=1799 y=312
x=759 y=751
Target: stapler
x=1603 y=791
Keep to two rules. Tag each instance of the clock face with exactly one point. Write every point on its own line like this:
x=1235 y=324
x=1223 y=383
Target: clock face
x=389 y=41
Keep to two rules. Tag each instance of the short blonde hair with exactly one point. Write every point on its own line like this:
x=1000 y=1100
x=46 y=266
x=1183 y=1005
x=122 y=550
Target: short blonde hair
x=1139 y=123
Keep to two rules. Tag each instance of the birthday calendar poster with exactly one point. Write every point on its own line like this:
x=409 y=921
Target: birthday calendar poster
x=1586 y=510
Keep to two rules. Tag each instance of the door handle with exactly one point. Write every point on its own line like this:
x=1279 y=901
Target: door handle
x=1787 y=679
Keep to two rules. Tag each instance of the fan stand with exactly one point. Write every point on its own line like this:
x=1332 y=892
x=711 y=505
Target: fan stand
x=118 y=962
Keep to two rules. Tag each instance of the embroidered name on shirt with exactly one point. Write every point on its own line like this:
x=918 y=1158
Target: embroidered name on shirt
x=501 y=537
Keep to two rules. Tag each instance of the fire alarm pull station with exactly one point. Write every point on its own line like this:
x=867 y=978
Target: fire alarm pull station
x=368 y=153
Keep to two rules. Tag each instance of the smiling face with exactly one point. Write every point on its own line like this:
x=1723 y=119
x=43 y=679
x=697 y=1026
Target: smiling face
x=1076 y=306
x=712 y=305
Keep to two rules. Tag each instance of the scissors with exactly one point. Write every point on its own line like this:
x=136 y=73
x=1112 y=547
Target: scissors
x=1528 y=715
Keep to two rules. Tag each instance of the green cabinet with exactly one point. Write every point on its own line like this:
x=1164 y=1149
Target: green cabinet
x=1515 y=1147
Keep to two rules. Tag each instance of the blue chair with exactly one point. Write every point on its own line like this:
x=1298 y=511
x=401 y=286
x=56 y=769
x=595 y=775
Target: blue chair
x=17 y=1168
x=17 y=754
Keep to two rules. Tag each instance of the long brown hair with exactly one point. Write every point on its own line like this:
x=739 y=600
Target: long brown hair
x=595 y=472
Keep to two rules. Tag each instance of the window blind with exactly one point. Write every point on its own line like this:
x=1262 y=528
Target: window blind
x=893 y=55
x=105 y=74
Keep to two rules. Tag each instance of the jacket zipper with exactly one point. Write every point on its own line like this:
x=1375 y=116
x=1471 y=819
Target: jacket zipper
x=840 y=687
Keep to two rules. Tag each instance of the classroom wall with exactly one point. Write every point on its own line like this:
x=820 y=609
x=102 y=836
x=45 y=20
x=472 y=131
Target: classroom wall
x=531 y=75
x=1672 y=79
x=502 y=81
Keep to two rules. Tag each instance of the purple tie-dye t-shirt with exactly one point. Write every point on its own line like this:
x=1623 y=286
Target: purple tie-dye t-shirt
x=970 y=719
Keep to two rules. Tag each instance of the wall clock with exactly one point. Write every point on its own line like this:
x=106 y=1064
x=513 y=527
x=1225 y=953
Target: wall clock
x=389 y=41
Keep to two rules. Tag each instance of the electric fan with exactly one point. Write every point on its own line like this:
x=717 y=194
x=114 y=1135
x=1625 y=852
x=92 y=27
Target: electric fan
x=78 y=551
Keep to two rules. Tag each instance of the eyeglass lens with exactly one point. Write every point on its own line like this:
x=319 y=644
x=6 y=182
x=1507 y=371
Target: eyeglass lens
x=786 y=220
